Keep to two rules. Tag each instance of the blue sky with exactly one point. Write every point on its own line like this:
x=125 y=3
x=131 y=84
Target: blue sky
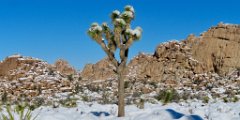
x=53 y=29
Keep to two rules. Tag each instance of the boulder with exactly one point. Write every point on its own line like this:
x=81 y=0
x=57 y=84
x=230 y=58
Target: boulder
x=64 y=68
x=102 y=70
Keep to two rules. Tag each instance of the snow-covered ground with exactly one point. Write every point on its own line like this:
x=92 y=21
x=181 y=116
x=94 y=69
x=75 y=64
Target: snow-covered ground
x=173 y=111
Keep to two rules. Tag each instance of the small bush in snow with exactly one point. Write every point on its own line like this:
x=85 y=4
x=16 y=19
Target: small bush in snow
x=225 y=99
x=140 y=104
x=4 y=97
x=85 y=98
x=205 y=99
x=168 y=95
x=235 y=99
x=69 y=102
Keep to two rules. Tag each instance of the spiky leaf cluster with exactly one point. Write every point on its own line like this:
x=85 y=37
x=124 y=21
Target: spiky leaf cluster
x=95 y=31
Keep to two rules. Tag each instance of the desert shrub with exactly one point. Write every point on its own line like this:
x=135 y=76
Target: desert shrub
x=230 y=93
x=168 y=95
x=136 y=94
x=85 y=98
x=140 y=104
x=37 y=102
x=106 y=95
x=225 y=99
x=69 y=102
x=55 y=104
x=77 y=88
x=205 y=99
x=235 y=99
x=70 y=77
x=93 y=88
x=4 y=97
x=185 y=95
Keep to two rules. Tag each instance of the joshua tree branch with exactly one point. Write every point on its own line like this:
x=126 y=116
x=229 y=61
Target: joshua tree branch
x=117 y=38
x=108 y=52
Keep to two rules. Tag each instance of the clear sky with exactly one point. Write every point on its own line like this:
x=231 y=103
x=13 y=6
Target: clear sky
x=53 y=29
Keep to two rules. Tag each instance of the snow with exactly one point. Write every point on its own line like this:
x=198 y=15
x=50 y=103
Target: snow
x=120 y=20
x=22 y=79
x=129 y=31
x=220 y=90
x=98 y=28
x=116 y=12
x=128 y=14
x=174 y=111
x=130 y=8
x=137 y=32
x=94 y=24
x=14 y=56
x=95 y=27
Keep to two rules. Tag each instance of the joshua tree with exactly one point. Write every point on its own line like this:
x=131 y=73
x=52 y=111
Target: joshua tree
x=120 y=37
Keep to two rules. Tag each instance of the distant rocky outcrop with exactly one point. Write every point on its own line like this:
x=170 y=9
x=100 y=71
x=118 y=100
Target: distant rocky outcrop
x=214 y=51
x=218 y=48
x=63 y=67
x=16 y=66
x=102 y=70
x=33 y=77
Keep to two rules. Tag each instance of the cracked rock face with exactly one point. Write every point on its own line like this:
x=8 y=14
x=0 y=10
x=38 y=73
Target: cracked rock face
x=102 y=70
x=215 y=51
x=218 y=48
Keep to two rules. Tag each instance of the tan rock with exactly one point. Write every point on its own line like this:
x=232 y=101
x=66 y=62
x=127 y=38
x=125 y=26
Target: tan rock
x=64 y=68
x=65 y=89
x=219 y=49
x=102 y=70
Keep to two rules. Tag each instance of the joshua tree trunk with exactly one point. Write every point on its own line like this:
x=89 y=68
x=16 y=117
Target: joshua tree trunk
x=121 y=102
x=121 y=95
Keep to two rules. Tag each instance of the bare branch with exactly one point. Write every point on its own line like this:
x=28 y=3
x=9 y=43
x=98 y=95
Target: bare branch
x=117 y=34
x=108 y=52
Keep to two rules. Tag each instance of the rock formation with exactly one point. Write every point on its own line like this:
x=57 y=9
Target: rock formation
x=32 y=77
x=215 y=51
x=102 y=70
x=19 y=64
x=64 y=68
x=218 y=48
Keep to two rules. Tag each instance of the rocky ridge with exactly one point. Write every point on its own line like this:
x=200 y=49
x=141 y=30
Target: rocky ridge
x=31 y=77
x=214 y=51
x=201 y=66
